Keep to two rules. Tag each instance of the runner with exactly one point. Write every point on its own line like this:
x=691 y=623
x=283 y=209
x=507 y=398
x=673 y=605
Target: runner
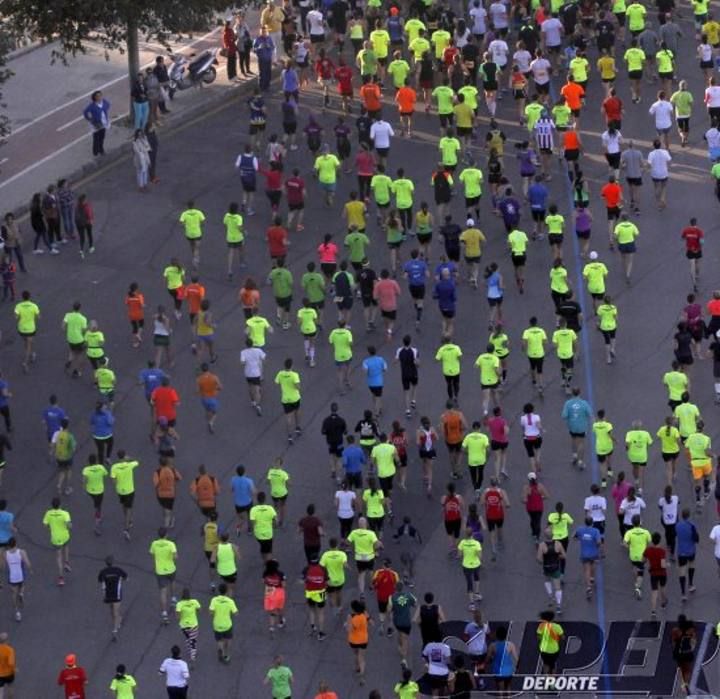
x=637 y=539
x=59 y=524
x=111 y=579
x=591 y=546
x=225 y=556
x=262 y=520
x=186 y=609
x=164 y=553
x=122 y=472
x=222 y=609
x=551 y=554
x=17 y=564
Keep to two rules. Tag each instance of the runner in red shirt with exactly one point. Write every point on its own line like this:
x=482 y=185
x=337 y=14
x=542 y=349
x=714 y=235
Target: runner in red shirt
x=613 y=195
x=73 y=678
x=165 y=400
x=693 y=237
x=452 y=505
x=277 y=240
x=612 y=108
x=495 y=500
x=384 y=582
x=656 y=556
x=295 y=190
x=344 y=76
x=194 y=294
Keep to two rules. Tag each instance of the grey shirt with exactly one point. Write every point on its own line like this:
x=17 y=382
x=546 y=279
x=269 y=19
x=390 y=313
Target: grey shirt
x=670 y=33
x=631 y=161
x=649 y=42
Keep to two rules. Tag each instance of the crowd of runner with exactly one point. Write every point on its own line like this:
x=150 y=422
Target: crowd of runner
x=417 y=236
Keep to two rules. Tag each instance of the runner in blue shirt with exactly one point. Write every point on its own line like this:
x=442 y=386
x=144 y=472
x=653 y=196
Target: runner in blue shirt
x=416 y=272
x=151 y=378
x=7 y=524
x=537 y=198
x=353 y=459
x=375 y=368
x=243 y=490
x=687 y=540
x=578 y=417
x=591 y=541
x=52 y=416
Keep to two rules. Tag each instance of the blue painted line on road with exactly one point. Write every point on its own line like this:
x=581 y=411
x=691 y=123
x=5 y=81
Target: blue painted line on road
x=590 y=393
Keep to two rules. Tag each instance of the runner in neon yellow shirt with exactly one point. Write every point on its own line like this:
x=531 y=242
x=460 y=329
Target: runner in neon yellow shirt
x=476 y=444
x=289 y=382
x=534 y=339
x=192 y=220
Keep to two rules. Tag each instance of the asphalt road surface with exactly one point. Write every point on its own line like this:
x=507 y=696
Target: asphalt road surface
x=136 y=236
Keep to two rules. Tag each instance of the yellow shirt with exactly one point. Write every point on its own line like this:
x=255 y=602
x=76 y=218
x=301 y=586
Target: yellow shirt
x=355 y=214
x=472 y=238
x=606 y=66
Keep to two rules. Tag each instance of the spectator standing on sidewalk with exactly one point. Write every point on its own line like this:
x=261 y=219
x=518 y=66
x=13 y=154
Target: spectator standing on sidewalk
x=154 y=94
x=97 y=114
x=141 y=108
x=84 y=218
x=11 y=234
x=37 y=221
x=271 y=18
x=264 y=49
x=244 y=43
x=154 y=144
x=161 y=73
x=51 y=212
x=66 y=200
x=141 y=159
x=229 y=42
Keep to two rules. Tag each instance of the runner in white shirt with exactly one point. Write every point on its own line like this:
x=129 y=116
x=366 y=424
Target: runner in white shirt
x=663 y=112
x=551 y=33
x=316 y=25
x=17 y=564
x=658 y=160
x=478 y=14
x=532 y=435
x=252 y=359
x=176 y=672
x=712 y=137
x=499 y=51
x=595 y=507
x=522 y=58
x=499 y=18
x=715 y=538
x=380 y=133
x=668 y=505
x=712 y=99
x=630 y=506
x=540 y=69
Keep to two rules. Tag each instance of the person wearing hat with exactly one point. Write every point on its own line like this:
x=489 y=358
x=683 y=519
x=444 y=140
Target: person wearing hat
x=72 y=678
x=472 y=239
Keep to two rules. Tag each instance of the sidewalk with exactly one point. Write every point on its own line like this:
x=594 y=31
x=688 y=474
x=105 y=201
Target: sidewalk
x=50 y=139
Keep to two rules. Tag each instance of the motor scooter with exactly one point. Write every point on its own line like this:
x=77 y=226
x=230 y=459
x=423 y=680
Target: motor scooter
x=185 y=73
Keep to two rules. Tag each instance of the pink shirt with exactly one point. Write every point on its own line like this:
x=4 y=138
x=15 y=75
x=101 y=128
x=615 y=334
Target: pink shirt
x=496 y=426
x=365 y=163
x=386 y=293
x=619 y=493
x=327 y=253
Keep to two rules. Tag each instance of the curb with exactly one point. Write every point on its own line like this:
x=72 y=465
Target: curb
x=117 y=153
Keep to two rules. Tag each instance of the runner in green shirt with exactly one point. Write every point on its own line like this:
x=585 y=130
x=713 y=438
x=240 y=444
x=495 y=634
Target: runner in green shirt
x=26 y=316
x=534 y=339
x=518 y=242
x=604 y=446
x=625 y=234
x=470 y=550
x=342 y=341
x=234 y=237
x=472 y=179
x=187 y=610
x=403 y=189
x=313 y=285
x=449 y=355
x=356 y=243
x=281 y=279
x=489 y=364
x=278 y=479
x=75 y=324
x=122 y=472
x=669 y=437
x=565 y=341
x=607 y=323
x=637 y=442
x=335 y=562
x=222 y=609
x=677 y=383
x=476 y=445
x=326 y=167
x=94 y=475
x=289 y=382
x=263 y=518
x=682 y=100
x=192 y=220
x=280 y=677
x=123 y=684
x=59 y=524
x=398 y=69
x=450 y=148
x=637 y=540
x=365 y=545
x=635 y=59
x=255 y=328
x=444 y=96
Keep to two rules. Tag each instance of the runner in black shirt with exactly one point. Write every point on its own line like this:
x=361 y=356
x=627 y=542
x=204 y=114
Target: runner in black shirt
x=334 y=428
x=111 y=580
x=570 y=309
x=407 y=356
x=366 y=279
x=4 y=444
x=450 y=234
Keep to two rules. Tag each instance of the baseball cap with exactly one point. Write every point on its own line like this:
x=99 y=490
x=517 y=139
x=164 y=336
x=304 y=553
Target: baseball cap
x=532 y=476
x=470 y=222
x=70 y=659
x=593 y=255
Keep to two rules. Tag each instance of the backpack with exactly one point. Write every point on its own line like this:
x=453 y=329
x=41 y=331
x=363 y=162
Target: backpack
x=342 y=285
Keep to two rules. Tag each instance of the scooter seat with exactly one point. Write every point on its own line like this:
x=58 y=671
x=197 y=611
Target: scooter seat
x=199 y=61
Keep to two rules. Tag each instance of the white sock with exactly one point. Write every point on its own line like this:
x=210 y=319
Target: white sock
x=558 y=597
x=306 y=343
x=548 y=589
x=717 y=389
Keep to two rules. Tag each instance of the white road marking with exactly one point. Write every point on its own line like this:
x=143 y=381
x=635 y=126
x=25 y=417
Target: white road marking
x=69 y=124
x=104 y=86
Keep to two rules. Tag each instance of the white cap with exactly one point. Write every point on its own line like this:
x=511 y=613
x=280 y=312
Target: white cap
x=593 y=255
x=470 y=222
x=532 y=476
x=717 y=334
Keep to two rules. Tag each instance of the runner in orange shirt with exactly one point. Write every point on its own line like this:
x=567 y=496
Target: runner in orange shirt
x=135 y=303
x=571 y=147
x=405 y=100
x=324 y=691
x=249 y=297
x=164 y=480
x=370 y=96
x=454 y=426
x=573 y=94
x=357 y=635
x=205 y=489
x=209 y=386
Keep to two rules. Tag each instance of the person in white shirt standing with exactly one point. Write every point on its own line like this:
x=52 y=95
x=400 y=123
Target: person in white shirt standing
x=658 y=160
x=176 y=674
x=662 y=109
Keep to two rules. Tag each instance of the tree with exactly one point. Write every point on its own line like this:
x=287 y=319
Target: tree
x=5 y=75
x=115 y=24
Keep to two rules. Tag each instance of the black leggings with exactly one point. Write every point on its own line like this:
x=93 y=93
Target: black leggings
x=176 y=299
x=535 y=522
x=476 y=476
x=53 y=230
x=670 y=537
x=453 y=386
x=85 y=232
x=406 y=218
x=103 y=448
x=244 y=60
x=364 y=186
x=5 y=412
